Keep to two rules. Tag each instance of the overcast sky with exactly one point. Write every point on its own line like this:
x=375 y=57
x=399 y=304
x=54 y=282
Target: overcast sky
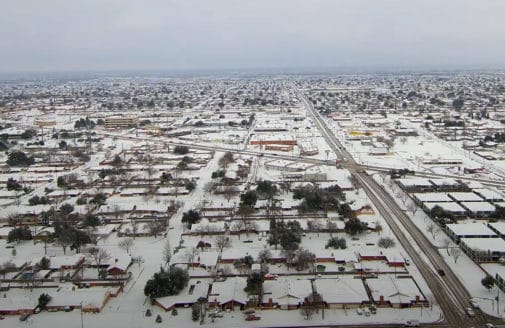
x=69 y=35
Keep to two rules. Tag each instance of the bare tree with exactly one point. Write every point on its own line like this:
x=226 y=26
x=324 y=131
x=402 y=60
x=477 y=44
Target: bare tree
x=433 y=230
x=264 y=256
x=99 y=256
x=447 y=243
x=65 y=240
x=412 y=207
x=156 y=227
x=304 y=259
x=6 y=267
x=378 y=227
x=307 y=311
x=209 y=187
x=238 y=226
x=126 y=244
x=354 y=181
x=222 y=242
x=226 y=270
x=167 y=252
x=456 y=253
x=138 y=259
x=135 y=227
x=402 y=196
x=226 y=159
x=229 y=192
x=190 y=255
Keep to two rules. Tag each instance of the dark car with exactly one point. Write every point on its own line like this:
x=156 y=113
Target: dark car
x=441 y=272
x=252 y=317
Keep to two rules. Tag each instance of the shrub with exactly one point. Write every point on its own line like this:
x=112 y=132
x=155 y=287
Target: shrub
x=386 y=242
x=166 y=283
x=181 y=150
x=336 y=243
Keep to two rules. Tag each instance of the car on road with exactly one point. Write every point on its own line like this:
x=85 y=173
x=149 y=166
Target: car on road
x=441 y=272
x=470 y=312
x=252 y=317
x=474 y=304
x=412 y=323
x=270 y=276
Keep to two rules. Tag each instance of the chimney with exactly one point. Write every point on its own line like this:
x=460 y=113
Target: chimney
x=381 y=299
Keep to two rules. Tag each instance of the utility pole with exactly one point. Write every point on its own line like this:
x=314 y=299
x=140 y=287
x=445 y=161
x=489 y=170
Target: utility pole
x=82 y=319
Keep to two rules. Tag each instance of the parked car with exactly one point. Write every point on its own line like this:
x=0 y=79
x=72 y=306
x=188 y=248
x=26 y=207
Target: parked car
x=359 y=311
x=470 y=312
x=215 y=314
x=412 y=323
x=252 y=317
x=270 y=276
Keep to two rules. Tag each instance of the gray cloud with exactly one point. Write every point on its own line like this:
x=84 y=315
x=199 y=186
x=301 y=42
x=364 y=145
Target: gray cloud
x=180 y=34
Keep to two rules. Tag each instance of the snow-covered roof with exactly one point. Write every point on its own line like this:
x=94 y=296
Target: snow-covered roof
x=479 y=207
x=470 y=229
x=489 y=194
x=344 y=289
x=450 y=207
x=287 y=290
x=395 y=290
x=498 y=226
x=190 y=294
x=18 y=298
x=485 y=244
x=119 y=261
x=232 y=289
x=465 y=197
x=432 y=197
x=444 y=182
x=57 y=262
x=415 y=182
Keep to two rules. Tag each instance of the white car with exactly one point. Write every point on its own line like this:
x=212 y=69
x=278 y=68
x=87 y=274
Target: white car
x=470 y=312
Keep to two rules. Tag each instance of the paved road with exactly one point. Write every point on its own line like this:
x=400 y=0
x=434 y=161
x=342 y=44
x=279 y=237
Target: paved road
x=342 y=154
x=448 y=290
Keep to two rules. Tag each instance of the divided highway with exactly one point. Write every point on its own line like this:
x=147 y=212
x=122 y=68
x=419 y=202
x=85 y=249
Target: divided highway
x=449 y=292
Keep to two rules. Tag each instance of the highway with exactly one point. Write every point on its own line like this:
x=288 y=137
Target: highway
x=449 y=292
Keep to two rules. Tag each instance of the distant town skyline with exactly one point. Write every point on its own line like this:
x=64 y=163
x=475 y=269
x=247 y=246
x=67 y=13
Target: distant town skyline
x=115 y=35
